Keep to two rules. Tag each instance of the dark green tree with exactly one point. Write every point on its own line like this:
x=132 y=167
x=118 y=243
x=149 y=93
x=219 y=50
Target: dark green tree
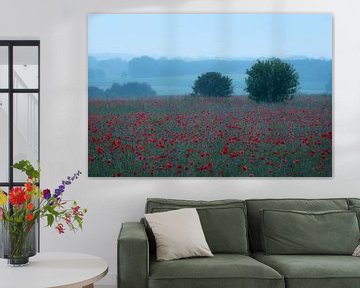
x=130 y=90
x=271 y=80
x=95 y=92
x=213 y=84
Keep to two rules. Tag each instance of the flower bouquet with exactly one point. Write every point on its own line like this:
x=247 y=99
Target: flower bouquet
x=21 y=208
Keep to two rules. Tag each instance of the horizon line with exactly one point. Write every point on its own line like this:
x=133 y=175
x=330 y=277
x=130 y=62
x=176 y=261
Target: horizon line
x=102 y=56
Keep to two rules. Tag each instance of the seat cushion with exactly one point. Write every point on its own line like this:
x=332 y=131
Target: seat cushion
x=223 y=221
x=255 y=206
x=315 y=271
x=222 y=270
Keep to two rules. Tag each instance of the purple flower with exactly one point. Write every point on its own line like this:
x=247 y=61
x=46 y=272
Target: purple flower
x=58 y=192
x=46 y=194
x=68 y=181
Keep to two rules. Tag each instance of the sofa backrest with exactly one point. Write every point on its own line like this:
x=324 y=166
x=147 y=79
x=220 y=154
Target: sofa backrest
x=353 y=202
x=256 y=205
x=223 y=221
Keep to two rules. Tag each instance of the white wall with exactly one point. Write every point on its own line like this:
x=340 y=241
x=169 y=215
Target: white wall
x=62 y=28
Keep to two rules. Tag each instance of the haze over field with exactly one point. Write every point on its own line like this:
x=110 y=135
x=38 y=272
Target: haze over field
x=176 y=76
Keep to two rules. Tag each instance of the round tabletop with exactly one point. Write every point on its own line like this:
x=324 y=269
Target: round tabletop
x=60 y=270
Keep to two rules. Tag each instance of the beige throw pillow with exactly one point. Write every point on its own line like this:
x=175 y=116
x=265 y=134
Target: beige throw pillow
x=178 y=234
x=357 y=251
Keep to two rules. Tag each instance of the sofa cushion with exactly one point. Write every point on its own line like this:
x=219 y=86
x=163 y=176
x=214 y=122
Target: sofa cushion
x=223 y=221
x=254 y=216
x=313 y=271
x=297 y=232
x=222 y=270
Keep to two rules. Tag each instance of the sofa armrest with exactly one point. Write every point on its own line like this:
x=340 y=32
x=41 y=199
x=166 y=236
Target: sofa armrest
x=133 y=256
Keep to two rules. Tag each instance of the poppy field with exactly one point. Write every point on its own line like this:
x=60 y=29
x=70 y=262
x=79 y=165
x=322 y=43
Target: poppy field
x=210 y=137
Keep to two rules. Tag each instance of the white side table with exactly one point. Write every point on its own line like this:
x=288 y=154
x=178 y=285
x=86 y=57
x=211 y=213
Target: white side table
x=50 y=270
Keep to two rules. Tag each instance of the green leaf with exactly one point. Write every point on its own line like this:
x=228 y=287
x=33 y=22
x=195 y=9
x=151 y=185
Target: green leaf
x=52 y=211
x=26 y=167
x=50 y=219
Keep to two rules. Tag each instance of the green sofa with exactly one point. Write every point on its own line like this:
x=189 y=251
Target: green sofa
x=233 y=230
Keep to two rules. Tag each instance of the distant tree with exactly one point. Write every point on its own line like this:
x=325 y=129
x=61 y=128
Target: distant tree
x=92 y=62
x=114 y=66
x=213 y=84
x=124 y=75
x=271 y=81
x=130 y=90
x=95 y=92
x=143 y=67
x=329 y=87
x=96 y=74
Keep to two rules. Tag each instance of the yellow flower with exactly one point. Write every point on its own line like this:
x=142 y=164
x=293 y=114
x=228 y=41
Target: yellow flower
x=3 y=198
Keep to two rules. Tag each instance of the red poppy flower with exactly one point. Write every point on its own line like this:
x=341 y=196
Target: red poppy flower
x=116 y=144
x=100 y=150
x=225 y=150
x=233 y=154
x=29 y=217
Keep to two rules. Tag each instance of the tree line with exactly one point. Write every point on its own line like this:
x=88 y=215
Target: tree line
x=144 y=66
x=126 y=90
x=271 y=80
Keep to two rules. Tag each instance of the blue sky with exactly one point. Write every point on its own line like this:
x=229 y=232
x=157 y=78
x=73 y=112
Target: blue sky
x=211 y=35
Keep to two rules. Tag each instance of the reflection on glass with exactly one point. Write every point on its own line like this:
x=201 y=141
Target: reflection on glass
x=26 y=124
x=4 y=137
x=26 y=74
x=4 y=67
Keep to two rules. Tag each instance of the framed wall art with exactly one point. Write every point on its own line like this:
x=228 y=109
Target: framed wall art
x=210 y=95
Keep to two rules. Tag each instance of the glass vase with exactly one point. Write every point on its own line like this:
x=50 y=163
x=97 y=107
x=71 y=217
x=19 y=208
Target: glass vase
x=18 y=242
